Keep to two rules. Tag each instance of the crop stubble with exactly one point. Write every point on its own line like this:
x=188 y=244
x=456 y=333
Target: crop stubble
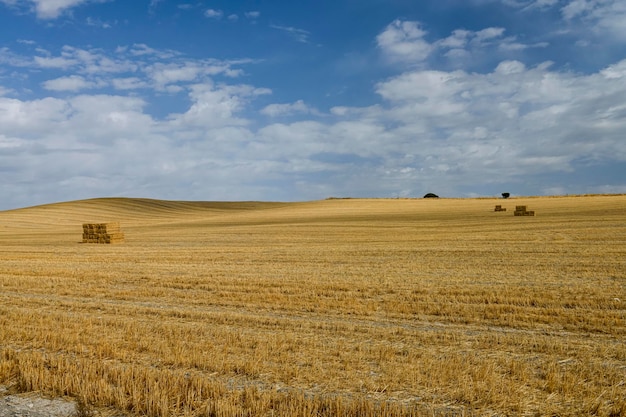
x=335 y=307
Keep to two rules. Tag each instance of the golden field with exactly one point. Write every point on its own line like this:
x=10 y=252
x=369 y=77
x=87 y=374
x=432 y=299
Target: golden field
x=341 y=307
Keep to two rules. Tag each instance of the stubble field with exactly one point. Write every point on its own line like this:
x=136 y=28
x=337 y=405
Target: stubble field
x=341 y=307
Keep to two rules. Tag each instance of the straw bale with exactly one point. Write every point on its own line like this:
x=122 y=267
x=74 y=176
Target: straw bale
x=102 y=233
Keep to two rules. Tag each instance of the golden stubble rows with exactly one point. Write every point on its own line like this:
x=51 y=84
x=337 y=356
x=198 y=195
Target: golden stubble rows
x=336 y=307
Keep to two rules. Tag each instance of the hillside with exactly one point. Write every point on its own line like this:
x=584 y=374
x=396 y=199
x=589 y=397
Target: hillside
x=140 y=211
x=131 y=211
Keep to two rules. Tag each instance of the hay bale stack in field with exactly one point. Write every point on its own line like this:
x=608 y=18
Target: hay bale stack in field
x=521 y=211
x=499 y=208
x=102 y=233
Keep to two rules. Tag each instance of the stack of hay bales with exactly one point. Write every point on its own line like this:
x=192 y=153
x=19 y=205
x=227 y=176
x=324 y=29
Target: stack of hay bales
x=499 y=208
x=102 y=233
x=521 y=211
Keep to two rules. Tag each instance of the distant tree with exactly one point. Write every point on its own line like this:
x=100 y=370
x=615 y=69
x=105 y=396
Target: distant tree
x=431 y=195
x=506 y=195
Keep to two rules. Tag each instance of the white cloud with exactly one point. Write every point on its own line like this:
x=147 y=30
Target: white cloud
x=21 y=118
x=615 y=71
x=4 y=91
x=49 y=9
x=547 y=106
x=543 y=4
x=404 y=41
x=577 y=7
x=599 y=17
x=217 y=105
x=510 y=67
x=90 y=21
x=130 y=83
x=54 y=62
x=458 y=39
x=253 y=14
x=285 y=109
x=85 y=61
x=70 y=83
x=164 y=74
x=129 y=68
x=213 y=13
x=488 y=33
x=141 y=49
x=300 y=35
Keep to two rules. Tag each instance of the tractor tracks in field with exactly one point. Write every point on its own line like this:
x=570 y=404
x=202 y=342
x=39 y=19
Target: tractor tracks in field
x=252 y=317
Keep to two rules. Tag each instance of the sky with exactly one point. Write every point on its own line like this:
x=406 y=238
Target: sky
x=217 y=100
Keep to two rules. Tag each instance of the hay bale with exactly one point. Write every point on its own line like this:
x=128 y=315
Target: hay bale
x=105 y=233
x=521 y=211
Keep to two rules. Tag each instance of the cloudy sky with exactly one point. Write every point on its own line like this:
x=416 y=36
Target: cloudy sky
x=291 y=100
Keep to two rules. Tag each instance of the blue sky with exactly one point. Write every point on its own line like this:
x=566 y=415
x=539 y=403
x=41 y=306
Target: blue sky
x=292 y=101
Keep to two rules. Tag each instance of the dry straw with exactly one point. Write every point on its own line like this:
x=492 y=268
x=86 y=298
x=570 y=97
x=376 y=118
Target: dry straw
x=102 y=233
x=521 y=211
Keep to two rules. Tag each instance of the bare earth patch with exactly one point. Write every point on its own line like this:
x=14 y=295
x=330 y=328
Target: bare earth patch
x=33 y=405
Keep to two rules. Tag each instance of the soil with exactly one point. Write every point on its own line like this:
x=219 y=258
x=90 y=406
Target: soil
x=34 y=405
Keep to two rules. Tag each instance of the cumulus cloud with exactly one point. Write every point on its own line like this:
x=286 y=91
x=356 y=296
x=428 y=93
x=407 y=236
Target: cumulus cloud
x=285 y=109
x=527 y=116
x=54 y=62
x=601 y=17
x=49 y=9
x=21 y=118
x=69 y=83
x=217 y=105
x=404 y=41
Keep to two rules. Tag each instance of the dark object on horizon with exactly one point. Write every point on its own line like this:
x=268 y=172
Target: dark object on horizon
x=506 y=195
x=431 y=195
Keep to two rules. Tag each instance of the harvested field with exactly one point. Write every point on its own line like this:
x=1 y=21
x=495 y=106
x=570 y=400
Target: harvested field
x=347 y=307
